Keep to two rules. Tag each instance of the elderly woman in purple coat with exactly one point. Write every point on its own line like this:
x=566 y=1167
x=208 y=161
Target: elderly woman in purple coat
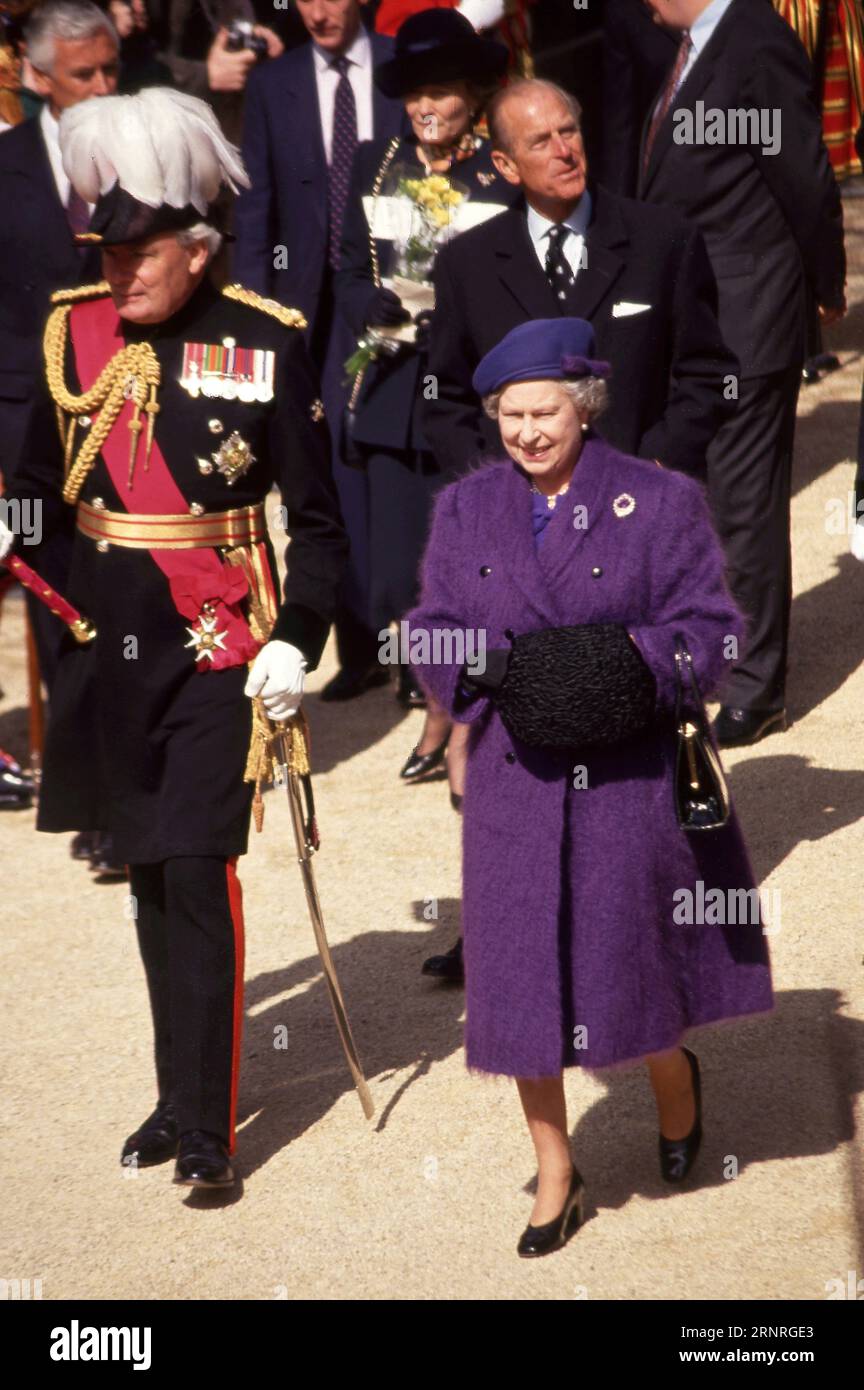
x=571 y=572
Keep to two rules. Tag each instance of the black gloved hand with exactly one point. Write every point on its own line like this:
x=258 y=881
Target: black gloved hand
x=385 y=309
x=494 y=674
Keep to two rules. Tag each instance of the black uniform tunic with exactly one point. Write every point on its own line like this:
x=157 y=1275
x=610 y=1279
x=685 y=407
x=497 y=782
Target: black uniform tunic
x=142 y=743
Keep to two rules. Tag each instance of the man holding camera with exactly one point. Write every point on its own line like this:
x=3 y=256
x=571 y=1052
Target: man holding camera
x=212 y=46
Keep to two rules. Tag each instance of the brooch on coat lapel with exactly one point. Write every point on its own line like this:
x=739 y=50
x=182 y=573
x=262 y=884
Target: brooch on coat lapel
x=224 y=371
x=624 y=504
x=485 y=179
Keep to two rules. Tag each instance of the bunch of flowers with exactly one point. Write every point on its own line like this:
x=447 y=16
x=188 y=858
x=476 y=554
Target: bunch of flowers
x=435 y=199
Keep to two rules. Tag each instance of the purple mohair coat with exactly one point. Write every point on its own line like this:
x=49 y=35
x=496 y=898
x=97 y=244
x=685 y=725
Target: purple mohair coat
x=568 y=893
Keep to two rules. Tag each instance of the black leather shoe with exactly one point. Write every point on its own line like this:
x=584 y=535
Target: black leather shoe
x=734 y=728
x=409 y=694
x=103 y=860
x=677 y=1156
x=153 y=1142
x=421 y=764
x=352 y=681
x=542 y=1240
x=456 y=802
x=202 y=1161
x=447 y=967
x=83 y=845
x=16 y=786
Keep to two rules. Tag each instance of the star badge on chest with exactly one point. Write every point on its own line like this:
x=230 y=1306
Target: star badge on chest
x=233 y=458
x=204 y=637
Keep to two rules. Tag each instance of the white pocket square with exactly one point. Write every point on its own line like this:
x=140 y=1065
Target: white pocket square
x=623 y=309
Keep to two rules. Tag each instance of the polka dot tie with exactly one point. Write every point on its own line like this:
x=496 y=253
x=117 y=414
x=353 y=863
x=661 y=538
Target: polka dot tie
x=341 y=155
x=558 y=271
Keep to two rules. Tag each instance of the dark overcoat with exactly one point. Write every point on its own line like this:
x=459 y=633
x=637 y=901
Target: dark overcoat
x=573 y=954
x=141 y=742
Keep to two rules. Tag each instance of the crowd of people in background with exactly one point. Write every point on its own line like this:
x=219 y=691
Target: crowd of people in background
x=500 y=253
x=737 y=266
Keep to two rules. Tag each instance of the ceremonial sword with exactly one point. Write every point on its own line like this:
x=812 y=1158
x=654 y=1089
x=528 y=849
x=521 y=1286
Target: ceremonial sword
x=289 y=750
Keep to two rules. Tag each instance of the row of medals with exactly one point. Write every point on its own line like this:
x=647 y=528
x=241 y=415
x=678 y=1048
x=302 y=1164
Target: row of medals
x=227 y=388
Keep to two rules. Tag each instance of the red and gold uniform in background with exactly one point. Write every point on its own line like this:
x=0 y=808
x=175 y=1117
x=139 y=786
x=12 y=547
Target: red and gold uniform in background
x=832 y=31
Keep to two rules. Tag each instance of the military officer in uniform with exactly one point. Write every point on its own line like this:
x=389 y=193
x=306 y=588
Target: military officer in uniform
x=178 y=407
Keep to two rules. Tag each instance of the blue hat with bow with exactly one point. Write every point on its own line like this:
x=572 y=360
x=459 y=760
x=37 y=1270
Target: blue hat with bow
x=544 y=349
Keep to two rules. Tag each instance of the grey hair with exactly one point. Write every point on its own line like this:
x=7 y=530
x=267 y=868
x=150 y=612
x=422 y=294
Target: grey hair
x=590 y=394
x=71 y=20
x=521 y=86
x=201 y=231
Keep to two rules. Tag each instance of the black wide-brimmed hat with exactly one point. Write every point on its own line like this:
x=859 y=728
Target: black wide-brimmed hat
x=439 y=46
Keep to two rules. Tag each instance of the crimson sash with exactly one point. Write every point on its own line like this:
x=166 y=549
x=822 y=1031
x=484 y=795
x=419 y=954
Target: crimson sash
x=196 y=577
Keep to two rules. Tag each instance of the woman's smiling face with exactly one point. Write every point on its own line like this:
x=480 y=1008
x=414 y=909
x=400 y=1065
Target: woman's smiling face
x=541 y=429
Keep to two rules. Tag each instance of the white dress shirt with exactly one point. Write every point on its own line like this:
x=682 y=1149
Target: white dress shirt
x=572 y=246
x=701 y=31
x=359 y=57
x=51 y=135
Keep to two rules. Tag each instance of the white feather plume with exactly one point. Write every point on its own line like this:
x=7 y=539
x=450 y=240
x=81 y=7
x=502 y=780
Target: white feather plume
x=162 y=146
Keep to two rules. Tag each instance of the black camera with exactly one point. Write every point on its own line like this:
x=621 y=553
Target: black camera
x=241 y=35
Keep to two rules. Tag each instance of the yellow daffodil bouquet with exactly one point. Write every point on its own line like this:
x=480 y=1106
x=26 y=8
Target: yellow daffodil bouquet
x=416 y=214
x=435 y=200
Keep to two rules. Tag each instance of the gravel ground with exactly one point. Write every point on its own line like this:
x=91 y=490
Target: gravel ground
x=427 y=1201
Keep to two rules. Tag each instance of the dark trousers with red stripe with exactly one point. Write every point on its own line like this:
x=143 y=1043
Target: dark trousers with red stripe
x=189 y=918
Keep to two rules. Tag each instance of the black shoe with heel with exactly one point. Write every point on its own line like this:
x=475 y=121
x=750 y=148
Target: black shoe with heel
x=677 y=1156
x=542 y=1240
x=447 y=967
x=419 y=765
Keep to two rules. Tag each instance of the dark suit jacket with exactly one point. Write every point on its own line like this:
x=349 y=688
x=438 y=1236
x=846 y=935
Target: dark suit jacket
x=668 y=362
x=637 y=57
x=389 y=409
x=283 y=147
x=773 y=224
x=37 y=256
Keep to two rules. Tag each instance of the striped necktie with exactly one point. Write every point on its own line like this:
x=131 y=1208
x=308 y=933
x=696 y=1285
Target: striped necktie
x=341 y=155
x=670 y=91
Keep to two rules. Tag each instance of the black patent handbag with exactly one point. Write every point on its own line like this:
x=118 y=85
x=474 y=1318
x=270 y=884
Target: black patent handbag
x=701 y=793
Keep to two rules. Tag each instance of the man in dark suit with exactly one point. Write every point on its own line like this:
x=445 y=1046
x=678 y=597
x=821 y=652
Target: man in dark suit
x=40 y=209
x=735 y=142
x=305 y=114
x=637 y=56
x=73 y=50
x=639 y=275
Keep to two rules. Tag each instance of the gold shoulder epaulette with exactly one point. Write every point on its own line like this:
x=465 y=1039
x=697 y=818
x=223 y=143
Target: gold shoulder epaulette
x=292 y=318
x=80 y=292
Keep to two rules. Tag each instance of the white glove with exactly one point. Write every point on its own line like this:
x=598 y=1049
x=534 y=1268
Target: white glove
x=277 y=676
x=482 y=13
x=857 y=546
x=7 y=540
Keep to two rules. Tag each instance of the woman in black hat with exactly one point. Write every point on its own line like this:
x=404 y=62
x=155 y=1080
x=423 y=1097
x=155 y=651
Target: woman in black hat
x=444 y=73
